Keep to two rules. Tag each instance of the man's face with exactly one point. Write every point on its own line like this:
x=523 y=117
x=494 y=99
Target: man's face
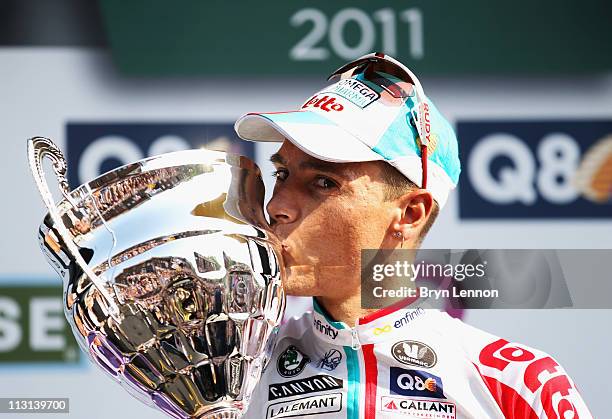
x=325 y=213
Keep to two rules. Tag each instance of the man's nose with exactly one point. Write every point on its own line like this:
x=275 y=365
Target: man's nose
x=283 y=209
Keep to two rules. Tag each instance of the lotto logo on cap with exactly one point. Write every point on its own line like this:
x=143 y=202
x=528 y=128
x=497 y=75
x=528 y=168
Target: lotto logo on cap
x=325 y=103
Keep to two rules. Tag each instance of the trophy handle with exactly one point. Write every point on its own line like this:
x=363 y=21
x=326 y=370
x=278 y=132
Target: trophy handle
x=40 y=148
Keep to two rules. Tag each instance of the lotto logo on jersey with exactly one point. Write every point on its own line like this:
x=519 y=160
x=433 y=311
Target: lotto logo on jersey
x=540 y=375
x=418 y=408
x=415 y=383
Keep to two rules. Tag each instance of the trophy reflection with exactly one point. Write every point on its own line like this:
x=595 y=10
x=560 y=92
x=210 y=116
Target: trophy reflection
x=172 y=277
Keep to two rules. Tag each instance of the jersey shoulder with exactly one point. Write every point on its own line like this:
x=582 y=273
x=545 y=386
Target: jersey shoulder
x=524 y=381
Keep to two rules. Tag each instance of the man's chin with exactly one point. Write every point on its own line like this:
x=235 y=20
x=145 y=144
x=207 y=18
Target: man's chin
x=300 y=281
x=308 y=281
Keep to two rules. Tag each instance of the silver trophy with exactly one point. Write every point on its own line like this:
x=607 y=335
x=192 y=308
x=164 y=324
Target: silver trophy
x=172 y=277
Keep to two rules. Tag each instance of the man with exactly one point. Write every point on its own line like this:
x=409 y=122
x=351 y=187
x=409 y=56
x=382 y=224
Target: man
x=366 y=163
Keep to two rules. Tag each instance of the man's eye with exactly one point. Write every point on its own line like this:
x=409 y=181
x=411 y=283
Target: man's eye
x=325 y=183
x=280 y=174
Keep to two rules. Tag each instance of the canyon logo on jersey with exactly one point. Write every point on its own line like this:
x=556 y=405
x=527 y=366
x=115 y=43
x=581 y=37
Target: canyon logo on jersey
x=315 y=384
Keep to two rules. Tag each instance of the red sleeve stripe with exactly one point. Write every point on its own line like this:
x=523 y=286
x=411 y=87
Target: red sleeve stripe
x=371 y=376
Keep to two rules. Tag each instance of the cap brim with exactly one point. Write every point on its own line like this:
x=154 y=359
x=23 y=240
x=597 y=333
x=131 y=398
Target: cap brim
x=309 y=131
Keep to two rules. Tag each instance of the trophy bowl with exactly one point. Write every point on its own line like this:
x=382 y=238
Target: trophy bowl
x=171 y=275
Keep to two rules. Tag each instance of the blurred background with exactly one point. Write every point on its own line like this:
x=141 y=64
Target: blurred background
x=527 y=86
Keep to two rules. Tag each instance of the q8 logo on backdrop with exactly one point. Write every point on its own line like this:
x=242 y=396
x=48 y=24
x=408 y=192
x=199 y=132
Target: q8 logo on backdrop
x=95 y=148
x=548 y=169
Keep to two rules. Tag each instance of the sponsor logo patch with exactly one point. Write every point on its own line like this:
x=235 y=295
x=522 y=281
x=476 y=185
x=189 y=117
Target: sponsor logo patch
x=308 y=385
x=291 y=362
x=411 y=352
x=330 y=360
x=326 y=103
x=306 y=406
x=415 y=383
x=556 y=391
x=408 y=317
x=421 y=408
x=356 y=92
x=325 y=329
x=380 y=330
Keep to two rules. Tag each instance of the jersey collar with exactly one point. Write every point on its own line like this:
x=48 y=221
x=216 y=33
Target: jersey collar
x=388 y=323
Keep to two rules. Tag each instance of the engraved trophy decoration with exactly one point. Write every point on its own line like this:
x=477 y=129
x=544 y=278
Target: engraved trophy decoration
x=172 y=277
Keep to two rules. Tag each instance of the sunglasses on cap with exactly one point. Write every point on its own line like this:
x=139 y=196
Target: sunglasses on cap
x=400 y=83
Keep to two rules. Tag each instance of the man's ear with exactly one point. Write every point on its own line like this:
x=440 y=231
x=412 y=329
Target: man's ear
x=416 y=207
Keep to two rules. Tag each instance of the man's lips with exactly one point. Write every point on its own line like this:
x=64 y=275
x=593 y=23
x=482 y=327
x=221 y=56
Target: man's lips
x=288 y=260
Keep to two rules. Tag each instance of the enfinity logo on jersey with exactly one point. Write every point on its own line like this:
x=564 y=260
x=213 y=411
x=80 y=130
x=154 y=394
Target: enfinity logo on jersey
x=325 y=329
x=407 y=318
x=411 y=352
x=403 y=382
x=291 y=362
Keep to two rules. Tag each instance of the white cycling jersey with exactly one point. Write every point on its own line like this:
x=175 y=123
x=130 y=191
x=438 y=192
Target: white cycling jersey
x=408 y=363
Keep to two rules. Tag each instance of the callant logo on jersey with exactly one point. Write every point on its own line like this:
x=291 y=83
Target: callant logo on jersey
x=325 y=329
x=415 y=383
x=554 y=389
x=421 y=408
x=411 y=352
x=326 y=103
x=315 y=384
x=291 y=362
x=306 y=406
